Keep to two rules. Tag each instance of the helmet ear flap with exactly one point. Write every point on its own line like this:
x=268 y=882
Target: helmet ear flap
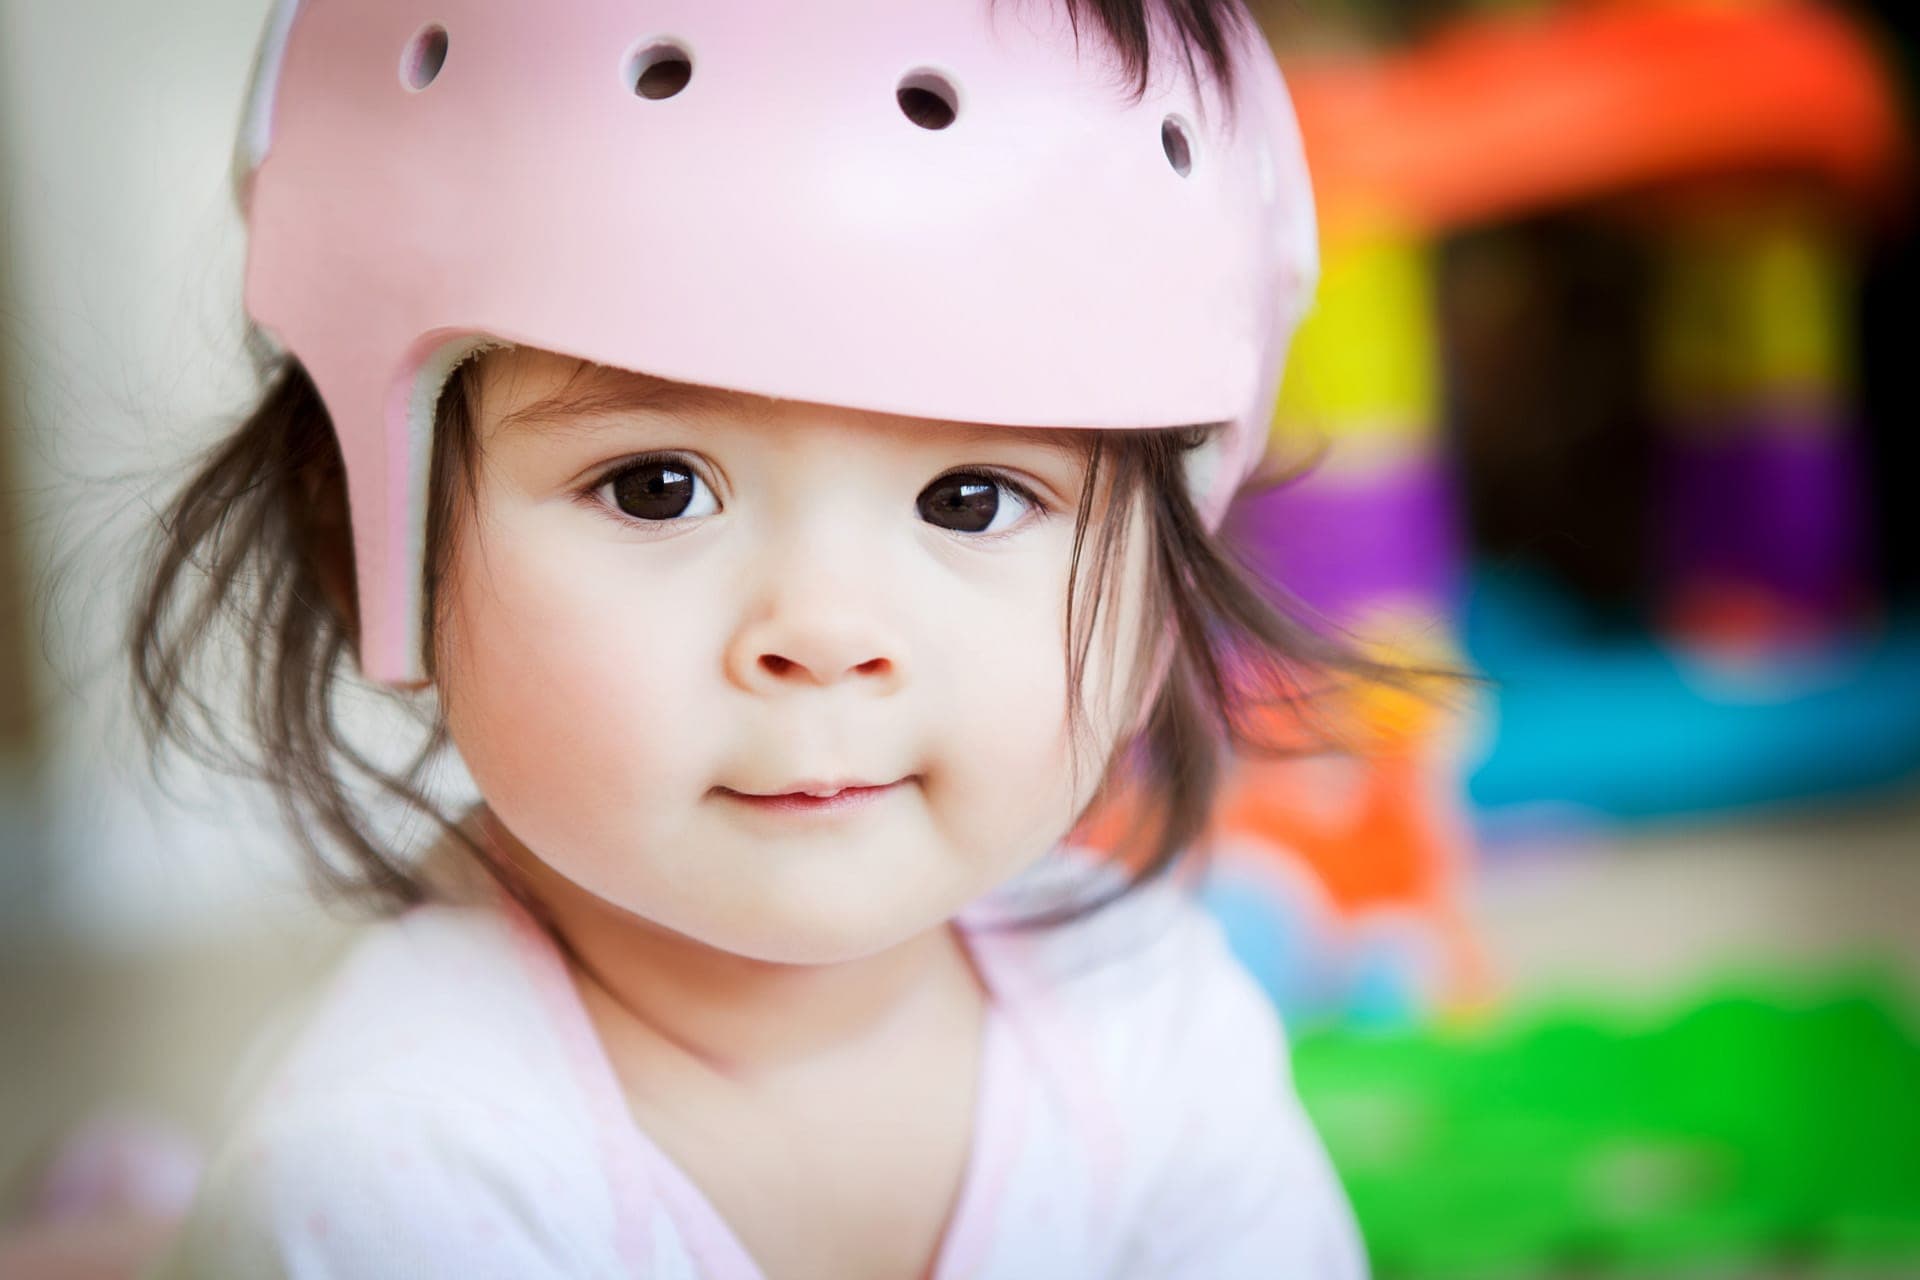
x=412 y=417
x=386 y=436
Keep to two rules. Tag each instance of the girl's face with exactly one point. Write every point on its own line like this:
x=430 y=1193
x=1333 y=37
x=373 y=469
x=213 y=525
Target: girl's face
x=663 y=603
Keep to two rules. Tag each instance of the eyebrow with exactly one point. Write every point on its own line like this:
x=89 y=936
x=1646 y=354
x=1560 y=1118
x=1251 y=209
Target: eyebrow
x=583 y=407
x=591 y=405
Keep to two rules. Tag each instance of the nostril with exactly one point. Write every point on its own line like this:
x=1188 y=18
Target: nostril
x=775 y=665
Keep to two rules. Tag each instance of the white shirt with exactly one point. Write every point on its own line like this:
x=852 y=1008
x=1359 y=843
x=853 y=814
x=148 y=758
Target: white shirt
x=447 y=1110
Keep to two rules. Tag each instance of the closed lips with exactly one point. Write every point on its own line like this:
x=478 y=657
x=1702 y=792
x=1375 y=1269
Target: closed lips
x=818 y=790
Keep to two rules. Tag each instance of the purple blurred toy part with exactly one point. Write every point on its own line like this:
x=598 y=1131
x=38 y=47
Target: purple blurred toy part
x=1770 y=506
x=1343 y=543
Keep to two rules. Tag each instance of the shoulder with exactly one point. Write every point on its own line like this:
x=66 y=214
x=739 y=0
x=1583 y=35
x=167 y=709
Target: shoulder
x=384 y=1187
x=429 y=1004
x=1154 y=963
x=1146 y=997
x=1143 y=996
x=417 y=1108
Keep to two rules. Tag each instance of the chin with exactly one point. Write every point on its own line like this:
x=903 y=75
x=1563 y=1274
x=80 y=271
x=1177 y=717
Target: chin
x=814 y=931
x=812 y=951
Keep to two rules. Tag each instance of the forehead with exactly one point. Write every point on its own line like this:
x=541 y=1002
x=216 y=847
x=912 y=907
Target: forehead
x=533 y=394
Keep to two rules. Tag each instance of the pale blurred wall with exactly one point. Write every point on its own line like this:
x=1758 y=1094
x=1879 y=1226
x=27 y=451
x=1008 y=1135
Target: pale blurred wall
x=120 y=333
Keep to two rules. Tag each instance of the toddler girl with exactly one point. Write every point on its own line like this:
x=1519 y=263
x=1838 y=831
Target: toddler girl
x=779 y=447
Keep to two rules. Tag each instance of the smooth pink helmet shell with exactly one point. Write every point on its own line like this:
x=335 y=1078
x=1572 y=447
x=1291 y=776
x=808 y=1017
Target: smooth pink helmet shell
x=779 y=226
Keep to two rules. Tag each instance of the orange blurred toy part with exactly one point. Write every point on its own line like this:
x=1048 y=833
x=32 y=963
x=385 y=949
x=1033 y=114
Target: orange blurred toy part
x=1499 y=117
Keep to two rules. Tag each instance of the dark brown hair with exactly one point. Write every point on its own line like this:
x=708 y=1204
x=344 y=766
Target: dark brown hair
x=1201 y=28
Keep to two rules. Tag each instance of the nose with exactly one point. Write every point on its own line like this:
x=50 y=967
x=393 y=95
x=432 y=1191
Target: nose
x=816 y=633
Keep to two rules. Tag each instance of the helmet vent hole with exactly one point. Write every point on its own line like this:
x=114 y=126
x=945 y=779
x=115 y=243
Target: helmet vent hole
x=929 y=99
x=660 y=70
x=1174 y=141
x=426 y=54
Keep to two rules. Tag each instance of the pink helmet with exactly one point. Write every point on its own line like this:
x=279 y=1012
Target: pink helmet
x=943 y=208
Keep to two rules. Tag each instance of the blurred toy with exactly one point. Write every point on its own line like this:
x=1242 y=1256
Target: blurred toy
x=1502 y=115
x=1338 y=879
x=1759 y=143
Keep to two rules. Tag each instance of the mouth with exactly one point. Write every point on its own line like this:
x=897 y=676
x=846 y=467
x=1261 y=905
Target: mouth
x=835 y=796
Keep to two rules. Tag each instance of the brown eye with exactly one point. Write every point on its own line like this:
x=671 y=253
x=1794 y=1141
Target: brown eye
x=970 y=502
x=660 y=489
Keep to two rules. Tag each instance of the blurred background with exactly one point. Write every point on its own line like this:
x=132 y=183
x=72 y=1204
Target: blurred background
x=1606 y=964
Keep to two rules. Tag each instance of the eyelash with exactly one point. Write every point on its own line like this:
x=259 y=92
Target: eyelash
x=1039 y=508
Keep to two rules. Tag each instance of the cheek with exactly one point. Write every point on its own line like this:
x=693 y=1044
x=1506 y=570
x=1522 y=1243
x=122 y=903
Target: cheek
x=1010 y=746
x=999 y=729
x=571 y=700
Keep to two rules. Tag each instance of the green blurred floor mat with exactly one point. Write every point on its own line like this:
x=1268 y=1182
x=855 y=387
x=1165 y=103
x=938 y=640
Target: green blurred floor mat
x=1763 y=1122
